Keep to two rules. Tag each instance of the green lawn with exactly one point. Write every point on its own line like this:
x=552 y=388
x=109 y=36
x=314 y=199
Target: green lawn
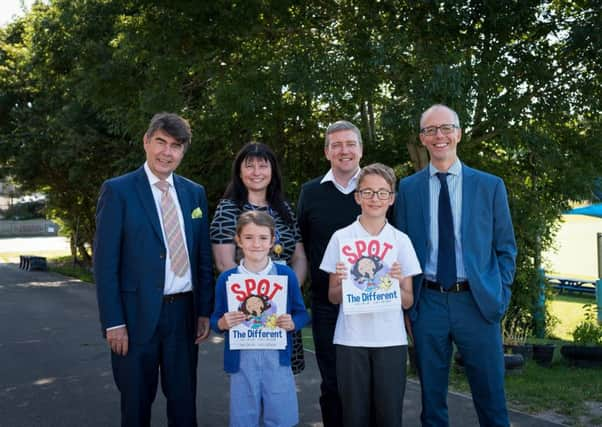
x=568 y=309
x=308 y=341
x=560 y=389
x=64 y=265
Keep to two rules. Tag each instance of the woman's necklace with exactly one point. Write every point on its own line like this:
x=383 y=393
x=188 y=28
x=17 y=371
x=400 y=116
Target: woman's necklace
x=277 y=248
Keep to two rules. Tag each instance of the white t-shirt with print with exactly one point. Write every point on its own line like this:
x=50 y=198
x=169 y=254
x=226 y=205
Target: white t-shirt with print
x=384 y=329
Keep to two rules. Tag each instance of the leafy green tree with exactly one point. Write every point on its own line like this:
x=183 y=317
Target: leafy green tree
x=80 y=80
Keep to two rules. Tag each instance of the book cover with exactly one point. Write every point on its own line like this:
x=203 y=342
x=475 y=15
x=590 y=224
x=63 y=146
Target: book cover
x=368 y=287
x=262 y=299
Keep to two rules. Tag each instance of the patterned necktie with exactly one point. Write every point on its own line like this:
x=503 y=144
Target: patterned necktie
x=173 y=232
x=446 y=257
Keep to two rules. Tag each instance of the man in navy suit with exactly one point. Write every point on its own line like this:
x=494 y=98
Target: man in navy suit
x=154 y=297
x=467 y=309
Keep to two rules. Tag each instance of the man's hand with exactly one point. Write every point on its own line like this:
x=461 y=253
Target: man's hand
x=202 y=330
x=118 y=340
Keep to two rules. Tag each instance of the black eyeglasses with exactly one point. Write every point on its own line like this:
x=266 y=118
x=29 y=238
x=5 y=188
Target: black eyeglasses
x=445 y=129
x=369 y=194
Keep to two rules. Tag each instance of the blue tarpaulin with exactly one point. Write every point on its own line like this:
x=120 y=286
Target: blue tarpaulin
x=591 y=210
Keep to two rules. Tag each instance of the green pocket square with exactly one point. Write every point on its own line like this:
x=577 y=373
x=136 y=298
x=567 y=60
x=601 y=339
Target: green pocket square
x=197 y=213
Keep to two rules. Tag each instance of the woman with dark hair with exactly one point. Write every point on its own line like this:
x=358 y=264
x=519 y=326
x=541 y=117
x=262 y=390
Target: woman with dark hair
x=256 y=185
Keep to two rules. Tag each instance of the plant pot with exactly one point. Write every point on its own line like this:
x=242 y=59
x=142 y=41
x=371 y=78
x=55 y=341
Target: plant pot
x=513 y=363
x=526 y=350
x=543 y=354
x=584 y=356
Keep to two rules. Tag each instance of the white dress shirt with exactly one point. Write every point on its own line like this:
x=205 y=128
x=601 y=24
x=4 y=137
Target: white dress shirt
x=351 y=185
x=173 y=283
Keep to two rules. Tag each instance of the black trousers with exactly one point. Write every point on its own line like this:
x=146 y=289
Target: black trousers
x=372 y=385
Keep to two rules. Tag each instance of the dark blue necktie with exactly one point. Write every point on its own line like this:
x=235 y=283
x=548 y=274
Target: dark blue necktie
x=446 y=257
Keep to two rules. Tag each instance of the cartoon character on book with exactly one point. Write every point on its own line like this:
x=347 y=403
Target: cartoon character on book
x=365 y=273
x=253 y=307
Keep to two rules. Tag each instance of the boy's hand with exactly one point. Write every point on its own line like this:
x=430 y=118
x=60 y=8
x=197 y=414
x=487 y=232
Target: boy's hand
x=335 y=283
x=341 y=272
x=395 y=272
x=285 y=321
x=231 y=319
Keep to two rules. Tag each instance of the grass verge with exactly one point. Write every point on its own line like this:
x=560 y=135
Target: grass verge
x=65 y=266
x=308 y=340
x=562 y=390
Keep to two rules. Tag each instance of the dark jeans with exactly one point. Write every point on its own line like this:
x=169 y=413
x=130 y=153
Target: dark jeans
x=324 y=319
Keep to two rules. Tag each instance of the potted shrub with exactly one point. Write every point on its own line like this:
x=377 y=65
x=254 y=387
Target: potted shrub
x=587 y=338
x=516 y=329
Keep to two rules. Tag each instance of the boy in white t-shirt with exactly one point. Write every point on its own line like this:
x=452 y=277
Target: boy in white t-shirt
x=371 y=348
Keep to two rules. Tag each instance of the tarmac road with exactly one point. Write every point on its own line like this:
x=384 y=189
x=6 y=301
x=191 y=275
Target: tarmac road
x=55 y=366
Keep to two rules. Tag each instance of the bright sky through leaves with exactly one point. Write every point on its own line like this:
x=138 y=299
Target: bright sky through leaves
x=11 y=8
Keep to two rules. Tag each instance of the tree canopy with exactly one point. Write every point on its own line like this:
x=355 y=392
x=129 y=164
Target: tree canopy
x=79 y=81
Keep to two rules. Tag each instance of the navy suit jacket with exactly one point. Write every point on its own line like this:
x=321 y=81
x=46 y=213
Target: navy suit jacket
x=488 y=244
x=129 y=253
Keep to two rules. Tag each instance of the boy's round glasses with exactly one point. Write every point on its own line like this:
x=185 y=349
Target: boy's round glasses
x=369 y=194
x=432 y=130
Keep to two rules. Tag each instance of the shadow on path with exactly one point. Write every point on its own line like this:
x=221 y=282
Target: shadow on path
x=55 y=366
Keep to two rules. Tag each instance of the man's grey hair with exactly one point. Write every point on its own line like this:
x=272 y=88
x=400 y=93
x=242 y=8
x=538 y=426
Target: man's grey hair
x=436 y=107
x=339 y=126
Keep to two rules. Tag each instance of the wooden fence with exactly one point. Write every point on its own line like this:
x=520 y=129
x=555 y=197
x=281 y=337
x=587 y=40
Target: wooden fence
x=26 y=228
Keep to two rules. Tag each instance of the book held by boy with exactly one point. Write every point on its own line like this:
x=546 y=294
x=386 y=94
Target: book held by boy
x=368 y=287
x=262 y=299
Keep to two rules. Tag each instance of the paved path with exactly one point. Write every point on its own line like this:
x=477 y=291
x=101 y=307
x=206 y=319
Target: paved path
x=55 y=367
